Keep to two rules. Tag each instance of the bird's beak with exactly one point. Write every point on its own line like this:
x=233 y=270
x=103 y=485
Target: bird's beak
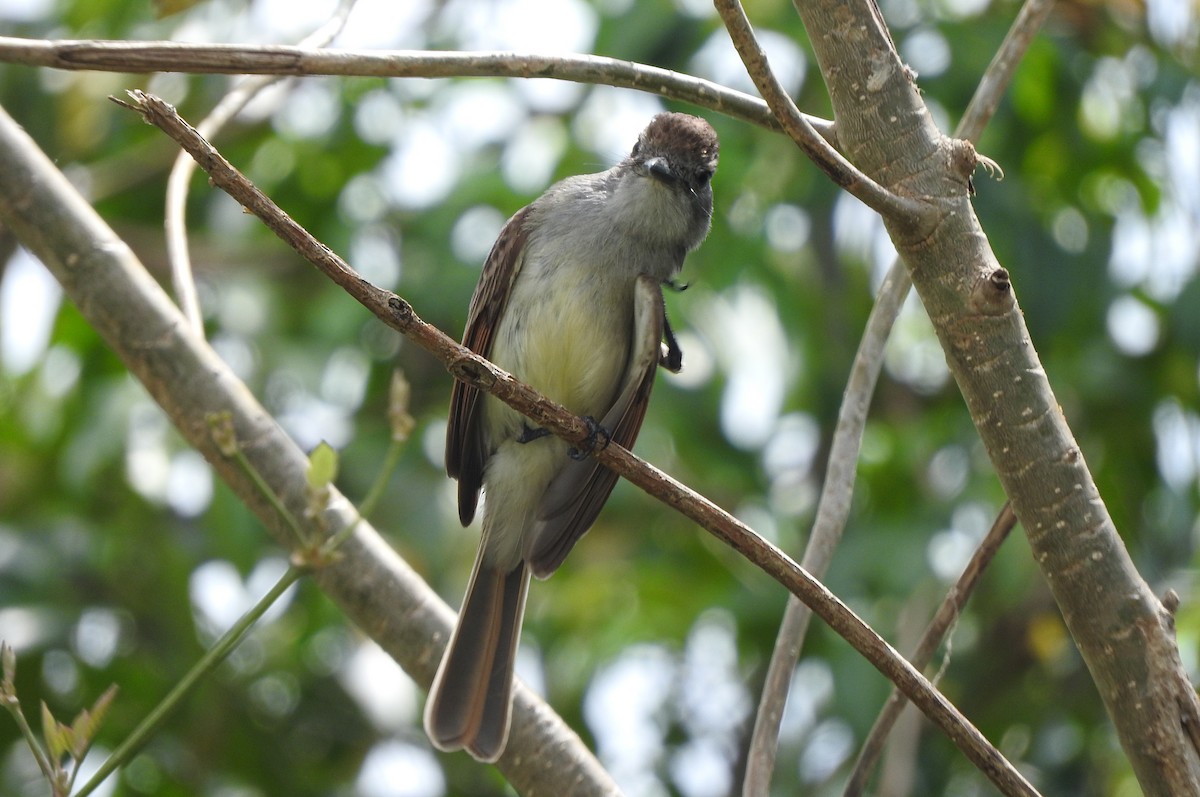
x=660 y=170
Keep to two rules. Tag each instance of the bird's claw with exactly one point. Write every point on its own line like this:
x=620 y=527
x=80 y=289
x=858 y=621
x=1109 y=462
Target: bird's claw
x=597 y=440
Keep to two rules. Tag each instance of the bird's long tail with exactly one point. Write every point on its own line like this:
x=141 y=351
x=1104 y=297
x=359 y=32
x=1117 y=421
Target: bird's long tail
x=470 y=702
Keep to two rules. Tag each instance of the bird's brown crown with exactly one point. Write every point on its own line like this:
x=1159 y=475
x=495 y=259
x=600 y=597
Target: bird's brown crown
x=682 y=134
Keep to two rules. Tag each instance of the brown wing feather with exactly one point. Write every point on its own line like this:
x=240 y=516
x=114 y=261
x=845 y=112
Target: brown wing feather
x=577 y=494
x=466 y=452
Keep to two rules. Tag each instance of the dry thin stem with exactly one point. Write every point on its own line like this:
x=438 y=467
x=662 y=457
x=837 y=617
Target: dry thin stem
x=181 y=172
x=122 y=56
x=982 y=107
x=795 y=124
x=995 y=80
x=945 y=617
x=469 y=367
x=833 y=507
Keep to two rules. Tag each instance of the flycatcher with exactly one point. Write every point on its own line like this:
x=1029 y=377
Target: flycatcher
x=569 y=302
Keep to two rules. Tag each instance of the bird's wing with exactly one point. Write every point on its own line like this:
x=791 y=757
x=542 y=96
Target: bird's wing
x=578 y=492
x=466 y=452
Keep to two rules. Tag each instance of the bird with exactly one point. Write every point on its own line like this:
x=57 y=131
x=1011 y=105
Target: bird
x=569 y=301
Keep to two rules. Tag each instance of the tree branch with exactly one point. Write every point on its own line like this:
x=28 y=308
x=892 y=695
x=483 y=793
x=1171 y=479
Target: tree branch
x=833 y=509
x=945 y=617
x=469 y=367
x=794 y=123
x=184 y=167
x=999 y=74
x=136 y=57
x=373 y=586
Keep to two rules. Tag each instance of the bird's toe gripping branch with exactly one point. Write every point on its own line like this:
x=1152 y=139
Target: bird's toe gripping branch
x=597 y=440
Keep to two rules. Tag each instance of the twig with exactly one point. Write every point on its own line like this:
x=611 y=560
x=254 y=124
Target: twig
x=207 y=663
x=10 y=701
x=794 y=123
x=945 y=617
x=833 y=505
x=123 y=56
x=469 y=367
x=833 y=508
x=181 y=172
x=221 y=428
x=1000 y=71
x=402 y=424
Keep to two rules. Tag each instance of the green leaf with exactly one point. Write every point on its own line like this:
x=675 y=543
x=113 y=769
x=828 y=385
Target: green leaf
x=55 y=735
x=322 y=466
x=101 y=706
x=88 y=721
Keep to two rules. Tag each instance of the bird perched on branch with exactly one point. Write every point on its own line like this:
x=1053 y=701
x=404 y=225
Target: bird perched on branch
x=569 y=302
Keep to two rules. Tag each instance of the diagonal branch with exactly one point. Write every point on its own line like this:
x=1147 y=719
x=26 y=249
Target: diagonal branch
x=797 y=126
x=1000 y=71
x=833 y=509
x=469 y=367
x=945 y=617
x=374 y=587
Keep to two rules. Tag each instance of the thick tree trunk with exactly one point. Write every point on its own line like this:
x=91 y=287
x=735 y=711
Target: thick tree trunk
x=1122 y=630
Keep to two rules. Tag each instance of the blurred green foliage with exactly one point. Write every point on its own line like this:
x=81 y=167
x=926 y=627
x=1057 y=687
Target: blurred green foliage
x=120 y=561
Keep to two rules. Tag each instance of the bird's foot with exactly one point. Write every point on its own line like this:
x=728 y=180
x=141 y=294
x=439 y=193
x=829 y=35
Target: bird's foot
x=597 y=440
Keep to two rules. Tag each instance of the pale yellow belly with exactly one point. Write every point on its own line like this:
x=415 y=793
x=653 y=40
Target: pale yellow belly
x=569 y=345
